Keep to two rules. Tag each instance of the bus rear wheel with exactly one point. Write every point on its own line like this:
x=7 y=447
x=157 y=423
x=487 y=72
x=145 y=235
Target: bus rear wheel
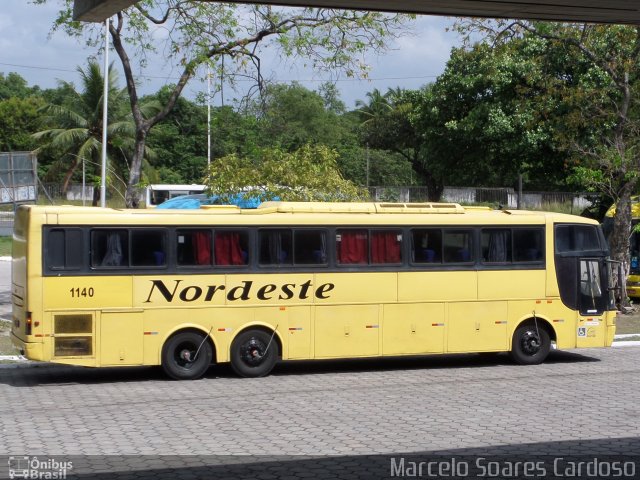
x=186 y=356
x=531 y=344
x=253 y=353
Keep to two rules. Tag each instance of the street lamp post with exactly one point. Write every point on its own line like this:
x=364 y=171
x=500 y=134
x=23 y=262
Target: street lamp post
x=105 y=101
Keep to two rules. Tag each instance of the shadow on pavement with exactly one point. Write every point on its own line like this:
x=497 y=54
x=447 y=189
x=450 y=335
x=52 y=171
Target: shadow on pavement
x=28 y=375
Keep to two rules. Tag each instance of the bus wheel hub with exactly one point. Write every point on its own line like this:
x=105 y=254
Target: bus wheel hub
x=531 y=343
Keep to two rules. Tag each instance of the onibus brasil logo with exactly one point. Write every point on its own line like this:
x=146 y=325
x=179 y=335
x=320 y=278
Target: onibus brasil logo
x=35 y=468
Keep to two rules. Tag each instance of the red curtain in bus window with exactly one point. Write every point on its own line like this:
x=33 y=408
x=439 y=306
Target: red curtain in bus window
x=202 y=248
x=227 y=249
x=353 y=247
x=385 y=247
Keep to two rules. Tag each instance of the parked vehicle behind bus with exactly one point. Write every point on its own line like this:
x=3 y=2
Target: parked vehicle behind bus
x=159 y=193
x=633 y=279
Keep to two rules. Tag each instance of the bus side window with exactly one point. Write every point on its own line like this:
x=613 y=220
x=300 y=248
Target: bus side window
x=148 y=248
x=64 y=249
x=231 y=248
x=457 y=246
x=386 y=246
x=109 y=248
x=193 y=247
x=528 y=245
x=352 y=246
x=496 y=245
x=427 y=245
x=576 y=238
x=275 y=247
x=309 y=247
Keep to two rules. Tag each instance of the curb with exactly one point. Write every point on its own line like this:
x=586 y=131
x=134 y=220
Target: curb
x=13 y=358
x=626 y=344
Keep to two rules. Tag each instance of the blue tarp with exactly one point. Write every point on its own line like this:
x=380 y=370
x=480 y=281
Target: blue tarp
x=186 y=202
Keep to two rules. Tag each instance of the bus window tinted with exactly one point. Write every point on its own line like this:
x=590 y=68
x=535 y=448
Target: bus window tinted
x=386 y=246
x=110 y=248
x=576 y=238
x=352 y=246
x=276 y=247
x=528 y=245
x=194 y=247
x=310 y=247
x=496 y=245
x=231 y=248
x=427 y=245
x=457 y=246
x=148 y=248
x=64 y=249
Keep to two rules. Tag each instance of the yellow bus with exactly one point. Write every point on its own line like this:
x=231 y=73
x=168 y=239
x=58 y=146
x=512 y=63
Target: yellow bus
x=293 y=281
x=633 y=279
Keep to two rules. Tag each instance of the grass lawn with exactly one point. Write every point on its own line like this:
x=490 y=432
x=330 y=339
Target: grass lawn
x=626 y=324
x=5 y=246
x=6 y=348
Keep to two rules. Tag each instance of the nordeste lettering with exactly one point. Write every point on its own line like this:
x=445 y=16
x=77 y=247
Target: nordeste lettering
x=242 y=292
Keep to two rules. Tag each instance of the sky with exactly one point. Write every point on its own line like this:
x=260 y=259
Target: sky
x=28 y=48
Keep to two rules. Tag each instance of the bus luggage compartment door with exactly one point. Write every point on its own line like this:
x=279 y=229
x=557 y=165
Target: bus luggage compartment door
x=477 y=327
x=121 y=337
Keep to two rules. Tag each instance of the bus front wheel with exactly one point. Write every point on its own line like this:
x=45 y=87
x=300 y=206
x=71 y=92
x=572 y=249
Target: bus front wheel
x=254 y=353
x=531 y=344
x=186 y=356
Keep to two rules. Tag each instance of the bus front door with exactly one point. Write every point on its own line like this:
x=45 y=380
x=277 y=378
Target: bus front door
x=592 y=303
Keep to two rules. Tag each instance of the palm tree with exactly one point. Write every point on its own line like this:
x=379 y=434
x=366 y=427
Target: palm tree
x=375 y=108
x=77 y=130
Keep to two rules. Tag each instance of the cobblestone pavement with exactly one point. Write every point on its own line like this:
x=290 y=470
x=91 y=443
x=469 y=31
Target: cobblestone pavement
x=321 y=419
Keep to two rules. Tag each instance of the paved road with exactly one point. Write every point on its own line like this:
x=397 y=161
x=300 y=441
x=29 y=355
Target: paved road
x=322 y=419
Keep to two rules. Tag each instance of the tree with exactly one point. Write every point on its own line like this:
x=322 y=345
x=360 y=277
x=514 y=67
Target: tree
x=203 y=32
x=14 y=86
x=309 y=173
x=19 y=118
x=179 y=141
x=386 y=125
x=492 y=116
x=291 y=116
x=600 y=85
x=77 y=126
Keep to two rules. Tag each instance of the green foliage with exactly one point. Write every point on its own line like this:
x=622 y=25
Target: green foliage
x=14 y=86
x=487 y=117
x=74 y=128
x=307 y=174
x=19 y=118
x=208 y=32
x=5 y=246
x=291 y=116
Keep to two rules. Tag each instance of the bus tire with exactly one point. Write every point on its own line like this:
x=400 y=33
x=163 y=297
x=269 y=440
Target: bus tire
x=530 y=345
x=250 y=356
x=178 y=353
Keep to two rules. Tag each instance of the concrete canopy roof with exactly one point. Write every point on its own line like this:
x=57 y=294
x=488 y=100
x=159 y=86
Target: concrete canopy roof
x=596 y=11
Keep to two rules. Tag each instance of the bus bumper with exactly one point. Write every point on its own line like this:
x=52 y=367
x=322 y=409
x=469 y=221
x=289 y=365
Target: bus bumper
x=610 y=327
x=30 y=350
